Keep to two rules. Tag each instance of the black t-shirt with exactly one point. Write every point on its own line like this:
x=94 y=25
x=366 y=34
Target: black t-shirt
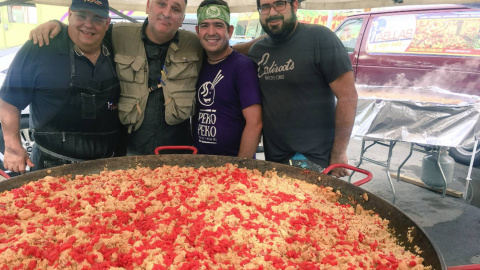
x=298 y=103
x=40 y=76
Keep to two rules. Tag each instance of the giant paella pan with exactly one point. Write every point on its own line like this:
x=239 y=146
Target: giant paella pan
x=407 y=233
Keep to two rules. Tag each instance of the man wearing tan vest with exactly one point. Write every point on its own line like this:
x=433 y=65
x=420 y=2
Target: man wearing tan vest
x=158 y=64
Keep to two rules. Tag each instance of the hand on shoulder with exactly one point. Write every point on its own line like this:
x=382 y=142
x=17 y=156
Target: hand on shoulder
x=43 y=33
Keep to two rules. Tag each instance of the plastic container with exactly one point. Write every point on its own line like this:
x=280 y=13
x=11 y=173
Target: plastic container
x=431 y=174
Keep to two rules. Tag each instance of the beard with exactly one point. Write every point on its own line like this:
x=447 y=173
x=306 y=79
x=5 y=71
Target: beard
x=280 y=32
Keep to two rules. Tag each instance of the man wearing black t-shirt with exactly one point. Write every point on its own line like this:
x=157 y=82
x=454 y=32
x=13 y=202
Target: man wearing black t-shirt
x=308 y=91
x=72 y=89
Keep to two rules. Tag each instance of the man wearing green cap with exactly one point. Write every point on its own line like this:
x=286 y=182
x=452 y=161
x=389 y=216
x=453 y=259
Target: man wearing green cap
x=228 y=119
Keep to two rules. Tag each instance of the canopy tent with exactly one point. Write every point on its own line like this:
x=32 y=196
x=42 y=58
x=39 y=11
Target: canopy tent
x=250 y=5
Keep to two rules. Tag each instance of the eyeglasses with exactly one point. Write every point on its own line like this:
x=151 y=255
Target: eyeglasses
x=94 y=19
x=278 y=6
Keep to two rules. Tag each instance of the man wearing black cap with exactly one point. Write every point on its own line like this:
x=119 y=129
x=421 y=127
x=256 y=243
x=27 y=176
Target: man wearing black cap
x=72 y=89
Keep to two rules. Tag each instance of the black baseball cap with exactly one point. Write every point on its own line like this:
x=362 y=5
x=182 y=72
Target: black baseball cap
x=97 y=7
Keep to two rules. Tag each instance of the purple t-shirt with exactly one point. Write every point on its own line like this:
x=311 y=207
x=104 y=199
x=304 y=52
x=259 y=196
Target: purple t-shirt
x=223 y=91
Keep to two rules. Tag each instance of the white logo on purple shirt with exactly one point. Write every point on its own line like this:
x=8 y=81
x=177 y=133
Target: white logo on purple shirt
x=206 y=92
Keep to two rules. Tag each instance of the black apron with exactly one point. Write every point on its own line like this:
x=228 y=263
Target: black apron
x=85 y=127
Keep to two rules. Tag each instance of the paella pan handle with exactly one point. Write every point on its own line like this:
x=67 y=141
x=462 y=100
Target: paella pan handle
x=176 y=147
x=353 y=168
x=4 y=174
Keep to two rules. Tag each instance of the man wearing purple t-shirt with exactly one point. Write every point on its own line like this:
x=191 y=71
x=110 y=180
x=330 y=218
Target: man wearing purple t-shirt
x=229 y=114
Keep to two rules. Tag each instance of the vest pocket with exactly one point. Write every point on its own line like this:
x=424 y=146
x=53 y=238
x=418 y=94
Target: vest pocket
x=129 y=109
x=130 y=68
x=180 y=106
x=182 y=66
x=182 y=74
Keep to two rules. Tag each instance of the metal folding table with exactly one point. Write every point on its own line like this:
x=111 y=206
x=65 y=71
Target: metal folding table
x=384 y=122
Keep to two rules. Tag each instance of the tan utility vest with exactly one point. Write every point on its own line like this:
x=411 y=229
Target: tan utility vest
x=183 y=63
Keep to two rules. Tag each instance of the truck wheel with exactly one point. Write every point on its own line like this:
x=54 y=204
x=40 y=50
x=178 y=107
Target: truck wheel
x=463 y=155
x=26 y=138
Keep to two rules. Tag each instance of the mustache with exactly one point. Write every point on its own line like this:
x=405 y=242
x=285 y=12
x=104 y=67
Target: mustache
x=163 y=17
x=272 y=18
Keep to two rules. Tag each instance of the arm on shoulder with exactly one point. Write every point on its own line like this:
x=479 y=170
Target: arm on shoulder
x=45 y=31
x=244 y=47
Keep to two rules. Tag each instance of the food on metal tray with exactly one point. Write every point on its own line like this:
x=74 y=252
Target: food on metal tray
x=398 y=94
x=184 y=218
x=365 y=197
